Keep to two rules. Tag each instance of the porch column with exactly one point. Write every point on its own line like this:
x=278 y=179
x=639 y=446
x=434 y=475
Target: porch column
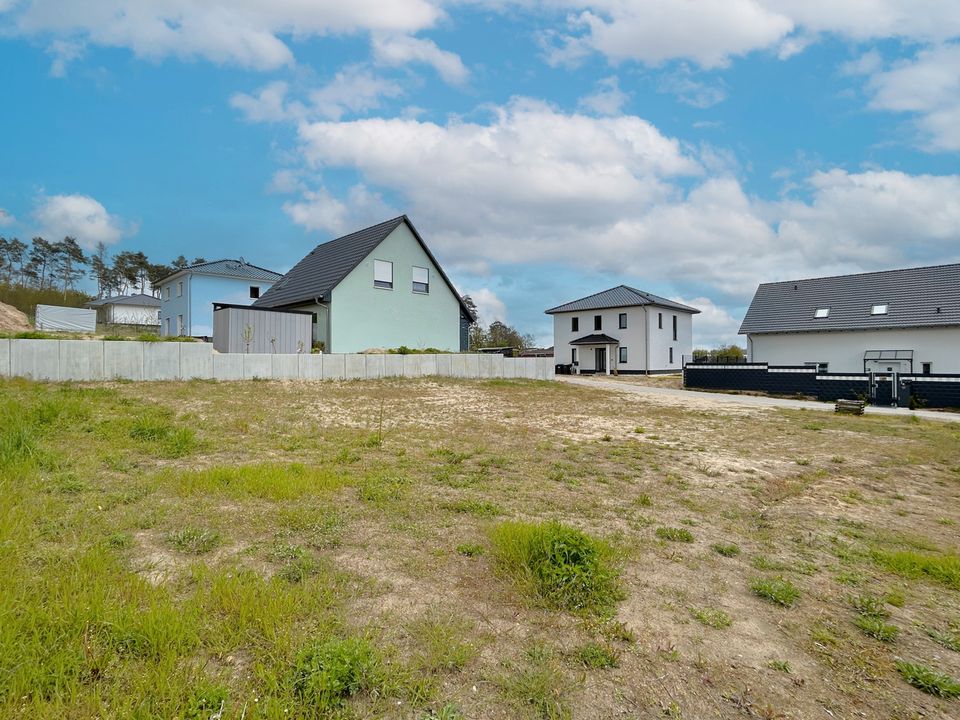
x=609 y=358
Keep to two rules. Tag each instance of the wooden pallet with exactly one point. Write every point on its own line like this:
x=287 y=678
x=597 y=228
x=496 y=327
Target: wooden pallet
x=851 y=407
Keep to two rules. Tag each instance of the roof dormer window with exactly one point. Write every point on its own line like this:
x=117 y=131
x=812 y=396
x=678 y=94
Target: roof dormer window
x=879 y=309
x=821 y=313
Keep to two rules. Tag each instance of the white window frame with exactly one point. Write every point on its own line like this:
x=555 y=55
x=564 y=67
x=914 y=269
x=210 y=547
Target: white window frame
x=180 y=326
x=180 y=288
x=166 y=293
x=879 y=309
x=381 y=269
x=821 y=312
x=424 y=282
x=622 y=321
x=573 y=356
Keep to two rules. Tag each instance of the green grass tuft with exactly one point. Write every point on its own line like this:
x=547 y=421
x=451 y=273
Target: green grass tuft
x=943 y=568
x=930 y=681
x=674 y=534
x=776 y=590
x=326 y=674
x=470 y=549
x=194 y=541
x=726 y=549
x=564 y=567
x=266 y=481
x=877 y=628
x=711 y=617
x=597 y=656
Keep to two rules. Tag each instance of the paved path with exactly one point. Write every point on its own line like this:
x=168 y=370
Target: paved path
x=758 y=401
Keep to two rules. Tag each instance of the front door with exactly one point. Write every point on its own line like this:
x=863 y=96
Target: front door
x=601 y=360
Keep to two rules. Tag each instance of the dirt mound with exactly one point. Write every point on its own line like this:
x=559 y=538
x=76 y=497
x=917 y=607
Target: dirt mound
x=12 y=319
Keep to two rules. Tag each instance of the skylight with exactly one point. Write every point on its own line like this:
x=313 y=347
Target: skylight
x=878 y=310
x=821 y=312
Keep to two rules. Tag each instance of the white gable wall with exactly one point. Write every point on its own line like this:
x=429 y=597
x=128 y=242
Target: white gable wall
x=843 y=350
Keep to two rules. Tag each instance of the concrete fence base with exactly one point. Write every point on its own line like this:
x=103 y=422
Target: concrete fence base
x=85 y=360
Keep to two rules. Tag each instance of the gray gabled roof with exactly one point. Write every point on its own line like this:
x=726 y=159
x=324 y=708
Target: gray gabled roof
x=915 y=297
x=316 y=275
x=595 y=339
x=140 y=300
x=228 y=268
x=619 y=296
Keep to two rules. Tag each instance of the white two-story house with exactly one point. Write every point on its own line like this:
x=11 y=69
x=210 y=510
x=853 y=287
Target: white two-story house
x=623 y=330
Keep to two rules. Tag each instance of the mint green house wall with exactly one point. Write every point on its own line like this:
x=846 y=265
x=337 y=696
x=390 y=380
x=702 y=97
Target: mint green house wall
x=363 y=316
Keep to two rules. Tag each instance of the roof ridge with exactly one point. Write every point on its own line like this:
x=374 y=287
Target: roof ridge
x=861 y=274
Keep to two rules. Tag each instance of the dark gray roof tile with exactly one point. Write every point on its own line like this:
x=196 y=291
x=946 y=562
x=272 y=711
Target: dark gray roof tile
x=915 y=297
x=620 y=296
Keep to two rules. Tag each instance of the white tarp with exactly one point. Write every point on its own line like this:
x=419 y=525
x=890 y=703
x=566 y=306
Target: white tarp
x=54 y=317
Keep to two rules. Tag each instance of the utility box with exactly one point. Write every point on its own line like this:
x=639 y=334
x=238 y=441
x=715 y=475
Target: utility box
x=246 y=329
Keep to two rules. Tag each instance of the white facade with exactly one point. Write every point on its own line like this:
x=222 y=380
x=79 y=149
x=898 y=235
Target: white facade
x=935 y=350
x=647 y=343
x=131 y=314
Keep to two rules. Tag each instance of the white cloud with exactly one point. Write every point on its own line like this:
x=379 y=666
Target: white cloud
x=690 y=91
x=928 y=85
x=6 y=218
x=321 y=211
x=403 y=49
x=81 y=217
x=64 y=52
x=352 y=90
x=489 y=306
x=714 y=326
x=241 y=32
x=609 y=99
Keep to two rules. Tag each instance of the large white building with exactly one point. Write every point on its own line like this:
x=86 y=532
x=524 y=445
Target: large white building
x=905 y=321
x=622 y=330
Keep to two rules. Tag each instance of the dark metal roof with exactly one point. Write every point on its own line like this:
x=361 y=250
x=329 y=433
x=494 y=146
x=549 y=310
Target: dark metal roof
x=238 y=306
x=595 y=339
x=316 y=275
x=140 y=300
x=915 y=297
x=230 y=268
x=620 y=296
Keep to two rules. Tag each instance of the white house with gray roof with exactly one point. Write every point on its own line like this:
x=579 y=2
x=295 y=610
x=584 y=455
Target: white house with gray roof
x=623 y=330
x=187 y=295
x=905 y=321
x=138 y=309
x=379 y=287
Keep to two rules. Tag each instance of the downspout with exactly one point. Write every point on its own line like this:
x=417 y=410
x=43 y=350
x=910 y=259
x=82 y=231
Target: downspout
x=646 y=342
x=189 y=304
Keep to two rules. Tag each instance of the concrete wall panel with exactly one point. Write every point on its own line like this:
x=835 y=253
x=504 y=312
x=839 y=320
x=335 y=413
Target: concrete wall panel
x=458 y=366
x=512 y=367
x=428 y=365
x=311 y=367
x=227 y=367
x=393 y=365
x=81 y=359
x=473 y=366
x=444 y=365
x=257 y=365
x=497 y=365
x=285 y=367
x=334 y=367
x=4 y=358
x=161 y=361
x=411 y=366
x=123 y=360
x=196 y=361
x=355 y=366
x=36 y=359
x=375 y=365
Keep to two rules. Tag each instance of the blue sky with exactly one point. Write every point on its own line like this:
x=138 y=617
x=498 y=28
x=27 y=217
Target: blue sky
x=545 y=150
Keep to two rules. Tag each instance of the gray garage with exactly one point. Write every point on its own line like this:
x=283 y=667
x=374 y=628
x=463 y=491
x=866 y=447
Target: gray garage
x=245 y=329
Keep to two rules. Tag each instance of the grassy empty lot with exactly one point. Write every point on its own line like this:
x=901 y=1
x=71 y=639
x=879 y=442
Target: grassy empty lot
x=442 y=549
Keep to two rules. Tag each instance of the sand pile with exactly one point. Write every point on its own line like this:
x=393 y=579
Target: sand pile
x=12 y=319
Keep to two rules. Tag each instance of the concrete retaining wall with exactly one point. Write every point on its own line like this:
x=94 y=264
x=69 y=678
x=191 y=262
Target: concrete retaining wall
x=85 y=360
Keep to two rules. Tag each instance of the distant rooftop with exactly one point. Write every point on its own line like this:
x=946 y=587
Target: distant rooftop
x=140 y=300
x=229 y=268
x=619 y=296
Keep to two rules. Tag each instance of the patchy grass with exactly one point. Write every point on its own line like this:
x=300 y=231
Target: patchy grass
x=877 y=628
x=194 y=541
x=597 y=656
x=711 y=617
x=326 y=674
x=943 y=568
x=930 y=681
x=776 y=590
x=674 y=534
x=563 y=566
x=726 y=549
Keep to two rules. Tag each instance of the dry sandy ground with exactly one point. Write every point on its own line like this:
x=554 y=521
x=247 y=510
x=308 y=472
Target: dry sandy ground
x=12 y=319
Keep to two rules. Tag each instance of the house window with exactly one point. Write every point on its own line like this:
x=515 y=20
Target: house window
x=597 y=322
x=383 y=274
x=166 y=293
x=660 y=320
x=574 y=324
x=180 y=289
x=623 y=355
x=254 y=292
x=180 y=327
x=623 y=321
x=878 y=310
x=926 y=368
x=674 y=329
x=820 y=313
x=315 y=317
x=166 y=324
x=421 y=279
x=573 y=355
x=671 y=354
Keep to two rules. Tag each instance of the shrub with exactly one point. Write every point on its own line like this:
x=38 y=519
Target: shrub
x=726 y=549
x=775 y=590
x=326 y=674
x=930 y=681
x=564 y=567
x=675 y=534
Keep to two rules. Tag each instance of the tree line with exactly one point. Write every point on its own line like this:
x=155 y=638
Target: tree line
x=46 y=265
x=497 y=334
